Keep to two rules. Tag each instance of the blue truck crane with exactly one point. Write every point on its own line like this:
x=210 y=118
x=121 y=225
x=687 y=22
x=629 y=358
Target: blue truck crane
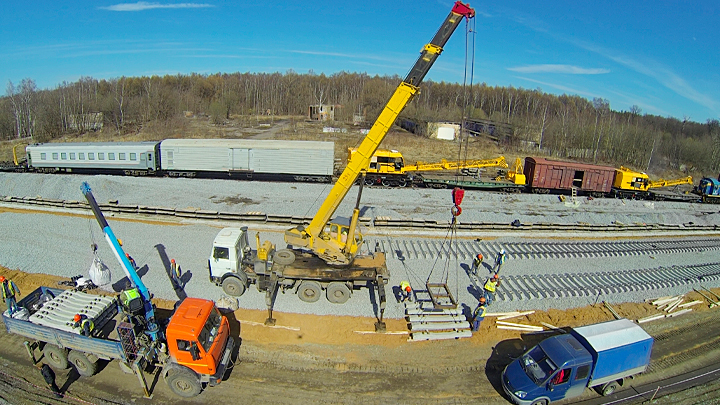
x=112 y=240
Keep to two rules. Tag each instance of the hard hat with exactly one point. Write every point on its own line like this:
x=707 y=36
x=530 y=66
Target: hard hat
x=482 y=300
x=172 y=260
x=479 y=255
x=496 y=276
x=120 y=241
x=127 y=255
x=408 y=289
x=502 y=251
x=2 y=278
x=76 y=318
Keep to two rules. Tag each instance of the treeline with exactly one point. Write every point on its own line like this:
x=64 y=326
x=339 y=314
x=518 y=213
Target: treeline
x=560 y=126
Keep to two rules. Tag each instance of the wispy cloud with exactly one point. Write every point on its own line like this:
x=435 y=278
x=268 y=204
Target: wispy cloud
x=560 y=87
x=143 y=5
x=567 y=69
x=664 y=75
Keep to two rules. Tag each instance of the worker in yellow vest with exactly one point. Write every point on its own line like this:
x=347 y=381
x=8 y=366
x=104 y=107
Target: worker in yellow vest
x=491 y=285
x=405 y=291
x=479 y=314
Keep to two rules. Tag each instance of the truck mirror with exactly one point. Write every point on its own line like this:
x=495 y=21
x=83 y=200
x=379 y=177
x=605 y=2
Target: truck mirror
x=551 y=386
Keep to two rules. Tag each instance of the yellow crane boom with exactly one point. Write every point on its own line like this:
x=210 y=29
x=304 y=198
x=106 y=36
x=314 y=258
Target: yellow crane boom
x=341 y=250
x=669 y=183
x=457 y=165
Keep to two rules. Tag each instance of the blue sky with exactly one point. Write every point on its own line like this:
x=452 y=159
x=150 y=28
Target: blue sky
x=661 y=56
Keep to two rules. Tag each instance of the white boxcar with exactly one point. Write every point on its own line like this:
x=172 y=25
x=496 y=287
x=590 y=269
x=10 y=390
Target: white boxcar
x=248 y=159
x=129 y=158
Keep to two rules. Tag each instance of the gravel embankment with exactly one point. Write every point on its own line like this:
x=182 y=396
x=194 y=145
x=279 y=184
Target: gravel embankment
x=57 y=244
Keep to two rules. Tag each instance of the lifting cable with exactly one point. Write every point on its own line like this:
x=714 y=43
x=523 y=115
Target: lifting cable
x=458 y=193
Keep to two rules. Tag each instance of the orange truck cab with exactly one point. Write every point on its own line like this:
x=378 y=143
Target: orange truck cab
x=199 y=346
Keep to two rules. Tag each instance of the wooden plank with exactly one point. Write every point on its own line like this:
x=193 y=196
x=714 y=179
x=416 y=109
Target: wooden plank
x=502 y=318
x=518 y=329
x=651 y=318
x=682 y=311
x=518 y=325
x=689 y=304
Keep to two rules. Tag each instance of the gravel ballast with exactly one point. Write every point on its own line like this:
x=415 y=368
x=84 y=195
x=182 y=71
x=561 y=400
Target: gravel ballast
x=60 y=244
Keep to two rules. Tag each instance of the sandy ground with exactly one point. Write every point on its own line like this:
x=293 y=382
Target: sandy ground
x=322 y=359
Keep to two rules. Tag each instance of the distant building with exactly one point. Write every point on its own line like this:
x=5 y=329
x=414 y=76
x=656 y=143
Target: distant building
x=444 y=130
x=322 y=112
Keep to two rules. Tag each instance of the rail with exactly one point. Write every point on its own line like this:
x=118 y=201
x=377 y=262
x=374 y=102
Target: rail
x=379 y=222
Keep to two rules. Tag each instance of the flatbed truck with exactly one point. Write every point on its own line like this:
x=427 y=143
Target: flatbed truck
x=189 y=358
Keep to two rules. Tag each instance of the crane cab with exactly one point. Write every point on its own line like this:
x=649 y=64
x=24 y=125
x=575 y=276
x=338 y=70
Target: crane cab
x=338 y=229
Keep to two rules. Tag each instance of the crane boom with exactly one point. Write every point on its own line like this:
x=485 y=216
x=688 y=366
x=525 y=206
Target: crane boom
x=127 y=267
x=312 y=237
x=668 y=183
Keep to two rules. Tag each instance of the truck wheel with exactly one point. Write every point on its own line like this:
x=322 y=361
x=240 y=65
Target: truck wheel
x=233 y=286
x=609 y=388
x=82 y=364
x=284 y=257
x=309 y=291
x=540 y=402
x=338 y=293
x=184 y=383
x=56 y=357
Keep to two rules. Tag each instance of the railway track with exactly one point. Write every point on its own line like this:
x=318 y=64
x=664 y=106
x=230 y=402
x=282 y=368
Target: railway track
x=466 y=250
x=566 y=285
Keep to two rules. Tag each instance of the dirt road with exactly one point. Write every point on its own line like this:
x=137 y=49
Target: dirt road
x=312 y=359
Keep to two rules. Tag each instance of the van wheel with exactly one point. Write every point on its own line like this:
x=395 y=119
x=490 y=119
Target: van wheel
x=609 y=388
x=540 y=402
x=56 y=357
x=184 y=383
x=233 y=286
x=82 y=364
x=309 y=291
x=338 y=293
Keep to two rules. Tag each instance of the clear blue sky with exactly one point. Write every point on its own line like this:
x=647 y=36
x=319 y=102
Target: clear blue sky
x=661 y=56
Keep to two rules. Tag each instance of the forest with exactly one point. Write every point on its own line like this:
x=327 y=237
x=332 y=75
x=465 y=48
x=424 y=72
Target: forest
x=566 y=126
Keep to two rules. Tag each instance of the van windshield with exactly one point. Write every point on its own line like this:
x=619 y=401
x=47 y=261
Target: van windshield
x=537 y=365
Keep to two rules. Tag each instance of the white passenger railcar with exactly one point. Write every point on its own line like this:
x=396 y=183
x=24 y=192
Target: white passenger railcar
x=128 y=158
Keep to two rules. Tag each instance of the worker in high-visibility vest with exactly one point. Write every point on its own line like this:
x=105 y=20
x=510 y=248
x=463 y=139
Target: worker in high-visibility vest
x=479 y=314
x=491 y=285
x=499 y=261
x=83 y=323
x=176 y=274
x=477 y=261
x=9 y=289
x=405 y=291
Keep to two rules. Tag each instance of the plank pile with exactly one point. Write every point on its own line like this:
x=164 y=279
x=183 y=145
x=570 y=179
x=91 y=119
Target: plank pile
x=671 y=307
x=500 y=321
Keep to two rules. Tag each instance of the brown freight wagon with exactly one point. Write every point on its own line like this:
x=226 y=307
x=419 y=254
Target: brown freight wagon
x=544 y=175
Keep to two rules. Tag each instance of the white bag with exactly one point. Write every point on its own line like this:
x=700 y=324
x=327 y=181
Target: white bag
x=99 y=272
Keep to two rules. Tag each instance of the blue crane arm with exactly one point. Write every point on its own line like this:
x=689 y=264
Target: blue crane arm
x=120 y=256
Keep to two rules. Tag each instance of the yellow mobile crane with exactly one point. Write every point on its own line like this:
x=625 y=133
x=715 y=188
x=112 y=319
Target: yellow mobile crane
x=324 y=255
x=388 y=168
x=629 y=183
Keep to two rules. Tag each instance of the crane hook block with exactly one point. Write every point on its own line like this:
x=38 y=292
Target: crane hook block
x=463 y=9
x=458 y=195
